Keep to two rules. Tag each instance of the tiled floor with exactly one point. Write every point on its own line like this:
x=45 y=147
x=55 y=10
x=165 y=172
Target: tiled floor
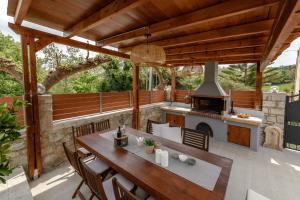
x=273 y=173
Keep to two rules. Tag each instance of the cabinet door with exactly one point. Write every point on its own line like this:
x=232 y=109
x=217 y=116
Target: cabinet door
x=239 y=135
x=175 y=120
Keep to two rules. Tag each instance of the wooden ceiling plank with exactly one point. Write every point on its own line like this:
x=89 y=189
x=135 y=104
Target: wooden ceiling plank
x=213 y=13
x=115 y=8
x=234 y=44
x=220 y=62
x=65 y=41
x=224 y=33
x=286 y=20
x=223 y=53
x=21 y=11
x=238 y=59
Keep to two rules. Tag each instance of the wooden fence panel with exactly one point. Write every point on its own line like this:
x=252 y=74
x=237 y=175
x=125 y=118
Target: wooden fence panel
x=181 y=94
x=243 y=99
x=115 y=100
x=145 y=97
x=20 y=113
x=158 y=96
x=73 y=105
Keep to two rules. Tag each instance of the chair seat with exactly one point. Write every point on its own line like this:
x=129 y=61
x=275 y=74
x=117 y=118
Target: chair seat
x=83 y=152
x=98 y=166
x=108 y=187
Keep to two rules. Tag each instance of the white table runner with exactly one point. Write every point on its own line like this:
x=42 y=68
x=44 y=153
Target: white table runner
x=202 y=173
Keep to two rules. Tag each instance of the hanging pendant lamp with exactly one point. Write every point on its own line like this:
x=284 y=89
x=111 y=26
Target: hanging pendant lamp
x=148 y=53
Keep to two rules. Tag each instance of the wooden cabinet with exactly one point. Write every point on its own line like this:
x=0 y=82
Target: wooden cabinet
x=175 y=120
x=239 y=135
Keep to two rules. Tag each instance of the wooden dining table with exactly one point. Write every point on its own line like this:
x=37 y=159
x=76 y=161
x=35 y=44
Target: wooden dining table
x=159 y=182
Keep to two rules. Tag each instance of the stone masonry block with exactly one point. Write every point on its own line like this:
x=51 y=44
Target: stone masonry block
x=269 y=104
x=276 y=111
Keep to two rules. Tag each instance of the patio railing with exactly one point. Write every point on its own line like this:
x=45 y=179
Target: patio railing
x=72 y=105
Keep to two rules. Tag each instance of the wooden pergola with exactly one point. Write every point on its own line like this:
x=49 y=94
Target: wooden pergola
x=190 y=31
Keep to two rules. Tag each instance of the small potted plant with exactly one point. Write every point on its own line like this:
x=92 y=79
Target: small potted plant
x=149 y=145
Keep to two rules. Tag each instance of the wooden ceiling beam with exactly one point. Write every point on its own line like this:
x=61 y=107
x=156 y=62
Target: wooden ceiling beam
x=221 y=62
x=249 y=51
x=233 y=44
x=21 y=11
x=287 y=19
x=65 y=41
x=117 y=7
x=41 y=43
x=212 y=13
x=218 y=34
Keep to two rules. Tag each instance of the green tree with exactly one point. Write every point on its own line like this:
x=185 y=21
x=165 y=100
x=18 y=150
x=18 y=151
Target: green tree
x=116 y=76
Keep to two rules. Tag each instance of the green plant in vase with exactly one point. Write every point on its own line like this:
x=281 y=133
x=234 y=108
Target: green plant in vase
x=149 y=145
x=9 y=132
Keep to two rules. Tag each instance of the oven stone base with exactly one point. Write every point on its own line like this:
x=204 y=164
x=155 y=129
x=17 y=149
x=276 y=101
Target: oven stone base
x=219 y=128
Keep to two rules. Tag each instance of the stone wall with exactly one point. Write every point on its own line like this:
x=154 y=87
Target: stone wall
x=274 y=110
x=54 y=133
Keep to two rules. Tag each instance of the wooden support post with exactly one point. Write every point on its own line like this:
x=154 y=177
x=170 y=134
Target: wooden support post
x=258 y=96
x=135 y=97
x=28 y=109
x=173 y=84
x=35 y=106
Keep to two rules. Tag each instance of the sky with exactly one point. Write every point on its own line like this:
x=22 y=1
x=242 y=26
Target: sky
x=288 y=57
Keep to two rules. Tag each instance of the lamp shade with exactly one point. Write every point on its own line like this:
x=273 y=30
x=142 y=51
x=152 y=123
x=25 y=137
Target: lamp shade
x=147 y=53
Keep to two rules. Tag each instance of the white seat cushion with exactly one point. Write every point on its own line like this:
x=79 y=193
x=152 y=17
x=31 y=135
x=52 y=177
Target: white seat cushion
x=171 y=133
x=156 y=128
x=108 y=187
x=251 y=195
x=97 y=166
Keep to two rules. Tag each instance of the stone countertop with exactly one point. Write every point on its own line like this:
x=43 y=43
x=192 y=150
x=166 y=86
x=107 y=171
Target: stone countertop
x=256 y=121
x=181 y=110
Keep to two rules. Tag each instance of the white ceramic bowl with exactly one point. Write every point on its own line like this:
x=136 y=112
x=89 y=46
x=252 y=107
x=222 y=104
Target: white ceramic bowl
x=182 y=157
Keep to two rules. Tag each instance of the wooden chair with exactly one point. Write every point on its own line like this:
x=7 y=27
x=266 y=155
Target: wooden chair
x=82 y=130
x=101 y=189
x=102 y=125
x=195 y=138
x=121 y=193
x=98 y=167
x=149 y=128
x=72 y=158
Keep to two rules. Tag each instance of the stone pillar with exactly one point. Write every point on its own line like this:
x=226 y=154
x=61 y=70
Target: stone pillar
x=46 y=124
x=274 y=110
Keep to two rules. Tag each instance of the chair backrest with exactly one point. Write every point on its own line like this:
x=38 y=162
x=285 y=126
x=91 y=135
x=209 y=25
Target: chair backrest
x=102 y=125
x=78 y=131
x=93 y=180
x=121 y=193
x=149 y=128
x=72 y=158
x=195 y=138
